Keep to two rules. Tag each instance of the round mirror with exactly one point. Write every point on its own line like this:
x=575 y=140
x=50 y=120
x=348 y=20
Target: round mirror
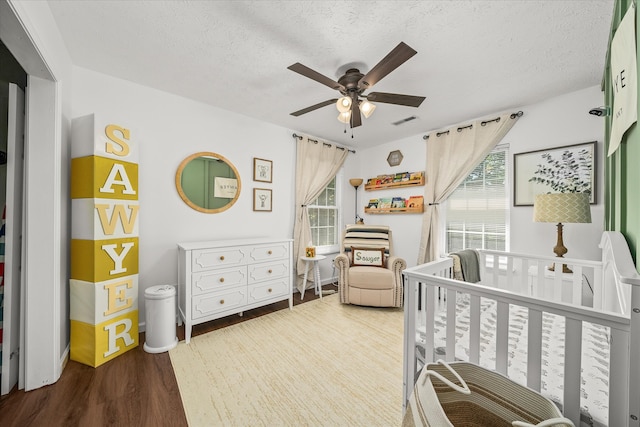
x=208 y=182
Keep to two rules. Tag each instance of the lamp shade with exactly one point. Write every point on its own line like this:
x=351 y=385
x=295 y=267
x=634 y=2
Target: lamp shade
x=562 y=208
x=345 y=117
x=356 y=182
x=367 y=108
x=344 y=104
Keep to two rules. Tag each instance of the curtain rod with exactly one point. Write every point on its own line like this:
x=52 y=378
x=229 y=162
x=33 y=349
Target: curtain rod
x=295 y=136
x=482 y=123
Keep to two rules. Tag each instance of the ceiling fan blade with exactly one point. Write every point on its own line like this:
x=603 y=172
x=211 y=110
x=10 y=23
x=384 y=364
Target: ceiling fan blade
x=314 y=75
x=395 y=98
x=356 y=118
x=393 y=60
x=314 y=107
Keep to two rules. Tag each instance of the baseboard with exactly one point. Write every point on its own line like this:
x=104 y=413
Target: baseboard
x=64 y=359
x=330 y=281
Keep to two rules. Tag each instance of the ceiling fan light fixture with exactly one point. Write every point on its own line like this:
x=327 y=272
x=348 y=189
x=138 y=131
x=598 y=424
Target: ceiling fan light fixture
x=344 y=117
x=344 y=104
x=366 y=108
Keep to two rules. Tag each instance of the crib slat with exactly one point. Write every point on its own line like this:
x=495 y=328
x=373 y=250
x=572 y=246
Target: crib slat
x=474 y=330
x=557 y=283
x=410 y=364
x=430 y=314
x=509 y=271
x=576 y=288
x=451 y=325
x=502 y=337
x=496 y=271
x=524 y=278
x=572 y=368
x=534 y=350
x=619 y=375
x=540 y=291
x=598 y=298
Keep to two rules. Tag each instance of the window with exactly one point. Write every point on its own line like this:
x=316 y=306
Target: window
x=324 y=217
x=477 y=211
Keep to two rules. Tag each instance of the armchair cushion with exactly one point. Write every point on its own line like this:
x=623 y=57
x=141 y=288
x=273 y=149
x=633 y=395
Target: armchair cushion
x=371 y=278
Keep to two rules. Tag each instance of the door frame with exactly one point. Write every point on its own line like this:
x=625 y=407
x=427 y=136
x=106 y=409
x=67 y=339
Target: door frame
x=29 y=32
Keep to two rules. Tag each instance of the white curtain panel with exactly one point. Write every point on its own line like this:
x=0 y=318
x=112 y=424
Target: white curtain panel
x=451 y=156
x=316 y=165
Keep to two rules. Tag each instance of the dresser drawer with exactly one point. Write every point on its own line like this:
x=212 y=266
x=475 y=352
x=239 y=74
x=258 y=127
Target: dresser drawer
x=268 y=271
x=268 y=252
x=206 y=259
x=213 y=280
x=217 y=302
x=267 y=290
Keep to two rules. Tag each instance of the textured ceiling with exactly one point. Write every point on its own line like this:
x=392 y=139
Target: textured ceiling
x=474 y=58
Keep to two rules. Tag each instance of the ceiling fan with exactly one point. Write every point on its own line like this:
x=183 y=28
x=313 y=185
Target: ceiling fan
x=353 y=84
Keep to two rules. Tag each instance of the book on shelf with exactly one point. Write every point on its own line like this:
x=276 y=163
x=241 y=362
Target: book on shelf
x=415 y=176
x=386 y=179
x=398 y=202
x=415 y=202
x=373 y=203
x=384 y=203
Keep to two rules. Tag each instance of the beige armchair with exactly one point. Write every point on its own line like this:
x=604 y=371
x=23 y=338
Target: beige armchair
x=363 y=284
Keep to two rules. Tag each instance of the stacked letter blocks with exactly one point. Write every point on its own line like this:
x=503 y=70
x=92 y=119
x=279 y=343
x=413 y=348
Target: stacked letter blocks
x=104 y=245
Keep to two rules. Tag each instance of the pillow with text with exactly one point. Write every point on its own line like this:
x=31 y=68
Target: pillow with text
x=371 y=257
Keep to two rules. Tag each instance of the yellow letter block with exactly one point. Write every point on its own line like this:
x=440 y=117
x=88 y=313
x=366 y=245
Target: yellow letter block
x=100 y=260
x=103 y=178
x=94 y=345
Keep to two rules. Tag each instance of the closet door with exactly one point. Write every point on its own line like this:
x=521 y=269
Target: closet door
x=13 y=241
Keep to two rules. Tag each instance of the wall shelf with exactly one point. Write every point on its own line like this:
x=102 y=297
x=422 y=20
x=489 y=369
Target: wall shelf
x=418 y=209
x=372 y=185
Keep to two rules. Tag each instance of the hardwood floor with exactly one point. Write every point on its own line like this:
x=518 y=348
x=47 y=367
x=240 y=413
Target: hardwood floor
x=135 y=389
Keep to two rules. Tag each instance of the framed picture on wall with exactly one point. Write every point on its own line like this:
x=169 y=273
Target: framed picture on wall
x=566 y=169
x=262 y=200
x=262 y=170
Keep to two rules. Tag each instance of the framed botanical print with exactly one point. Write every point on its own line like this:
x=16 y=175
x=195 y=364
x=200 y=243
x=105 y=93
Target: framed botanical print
x=262 y=170
x=566 y=169
x=262 y=199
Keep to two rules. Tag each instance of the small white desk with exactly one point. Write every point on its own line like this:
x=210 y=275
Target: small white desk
x=312 y=262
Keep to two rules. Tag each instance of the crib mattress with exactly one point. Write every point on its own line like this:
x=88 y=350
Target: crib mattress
x=595 y=351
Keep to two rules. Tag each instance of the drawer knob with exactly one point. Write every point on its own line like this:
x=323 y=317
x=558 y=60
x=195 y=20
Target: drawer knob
x=221 y=279
x=270 y=290
x=270 y=271
x=221 y=301
x=269 y=252
x=221 y=257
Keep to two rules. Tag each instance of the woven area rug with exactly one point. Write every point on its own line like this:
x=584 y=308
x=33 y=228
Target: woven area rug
x=321 y=364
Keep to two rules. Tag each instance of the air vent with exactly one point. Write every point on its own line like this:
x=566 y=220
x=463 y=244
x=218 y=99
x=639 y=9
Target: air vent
x=405 y=120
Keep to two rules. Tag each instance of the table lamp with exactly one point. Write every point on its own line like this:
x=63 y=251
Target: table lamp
x=562 y=208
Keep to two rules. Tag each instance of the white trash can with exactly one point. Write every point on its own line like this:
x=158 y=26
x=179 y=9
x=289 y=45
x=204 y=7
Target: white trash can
x=160 y=319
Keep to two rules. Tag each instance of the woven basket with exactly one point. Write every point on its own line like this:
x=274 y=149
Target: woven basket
x=464 y=394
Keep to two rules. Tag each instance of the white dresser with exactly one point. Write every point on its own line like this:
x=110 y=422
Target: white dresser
x=220 y=278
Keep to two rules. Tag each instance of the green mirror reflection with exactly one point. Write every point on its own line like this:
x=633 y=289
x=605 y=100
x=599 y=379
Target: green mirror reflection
x=208 y=182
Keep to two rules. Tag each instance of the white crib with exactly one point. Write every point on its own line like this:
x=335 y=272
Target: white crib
x=599 y=303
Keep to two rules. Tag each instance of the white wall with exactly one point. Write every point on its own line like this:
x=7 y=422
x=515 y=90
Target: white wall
x=559 y=121
x=169 y=128
x=563 y=120
x=406 y=228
